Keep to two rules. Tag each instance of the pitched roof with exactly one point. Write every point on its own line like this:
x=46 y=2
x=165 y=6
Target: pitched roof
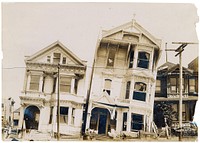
x=169 y=67
x=137 y=27
x=51 y=47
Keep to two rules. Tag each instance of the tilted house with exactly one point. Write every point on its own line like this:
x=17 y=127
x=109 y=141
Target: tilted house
x=39 y=96
x=123 y=82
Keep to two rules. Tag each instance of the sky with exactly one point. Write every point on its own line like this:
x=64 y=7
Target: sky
x=30 y=27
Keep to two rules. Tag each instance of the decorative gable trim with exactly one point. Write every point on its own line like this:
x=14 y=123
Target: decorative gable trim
x=65 y=49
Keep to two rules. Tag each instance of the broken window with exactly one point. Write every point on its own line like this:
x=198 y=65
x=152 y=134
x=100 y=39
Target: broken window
x=143 y=60
x=34 y=83
x=64 y=60
x=107 y=86
x=128 y=84
x=192 y=85
x=136 y=122
x=65 y=84
x=56 y=58
x=124 y=126
x=64 y=114
x=131 y=58
x=158 y=86
x=139 y=91
x=111 y=57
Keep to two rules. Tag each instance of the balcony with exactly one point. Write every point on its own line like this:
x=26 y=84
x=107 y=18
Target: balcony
x=176 y=95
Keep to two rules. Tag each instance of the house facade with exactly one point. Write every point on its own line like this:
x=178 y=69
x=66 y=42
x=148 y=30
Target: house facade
x=38 y=109
x=123 y=81
x=167 y=92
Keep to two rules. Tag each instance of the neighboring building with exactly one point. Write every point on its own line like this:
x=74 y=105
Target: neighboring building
x=123 y=82
x=39 y=96
x=167 y=92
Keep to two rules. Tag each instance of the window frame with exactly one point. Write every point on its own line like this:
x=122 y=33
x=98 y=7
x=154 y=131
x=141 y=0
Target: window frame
x=107 y=89
x=34 y=82
x=56 y=58
x=137 y=93
x=66 y=85
x=143 y=60
x=111 y=56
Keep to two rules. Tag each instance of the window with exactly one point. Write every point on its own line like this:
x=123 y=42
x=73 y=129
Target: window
x=124 y=127
x=56 y=58
x=143 y=60
x=64 y=60
x=107 y=86
x=192 y=85
x=64 y=115
x=16 y=122
x=34 y=83
x=158 y=86
x=111 y=57
x=139 y=91
x=183 y=84
x=65 y=84
x=128 y=84
x=48 y=59
x=173 y=85
x=183 y=112
x=131 y=59
x=136 y=122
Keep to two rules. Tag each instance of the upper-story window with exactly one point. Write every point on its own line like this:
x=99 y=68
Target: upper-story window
x=65 y=84
x=192 y=85
x=173 y=85
x=64 y=60
x=131 y=58
x=139 y=91
x=111 y=57
x=158 y=86
x=128 y=84
x=48 y=59
x=64 y=115
x=56 y=58
x=34 y=82
x=107 y=86
x=143 y=60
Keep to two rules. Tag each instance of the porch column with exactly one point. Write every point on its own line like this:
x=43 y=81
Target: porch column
x=54 y=119
x=69 y=115
x=119 y=121
x=21 y=117
x=129 y=121
x=88 y=116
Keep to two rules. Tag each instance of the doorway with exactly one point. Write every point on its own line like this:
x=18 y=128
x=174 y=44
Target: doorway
x=31 y=117
x=100 y=120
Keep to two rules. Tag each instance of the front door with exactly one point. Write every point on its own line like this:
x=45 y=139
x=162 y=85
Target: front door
x=102 y=124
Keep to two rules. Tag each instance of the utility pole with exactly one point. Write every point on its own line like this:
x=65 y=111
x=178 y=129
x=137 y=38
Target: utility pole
x=180 y=49
x=58 y=105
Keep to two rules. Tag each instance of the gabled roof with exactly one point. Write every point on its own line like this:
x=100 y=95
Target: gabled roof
x=169 y=68
x=137 y=27
x=65 y=49
x=166 y=66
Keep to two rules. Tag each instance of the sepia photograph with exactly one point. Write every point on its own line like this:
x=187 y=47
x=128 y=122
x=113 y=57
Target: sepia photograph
x=99 y=71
